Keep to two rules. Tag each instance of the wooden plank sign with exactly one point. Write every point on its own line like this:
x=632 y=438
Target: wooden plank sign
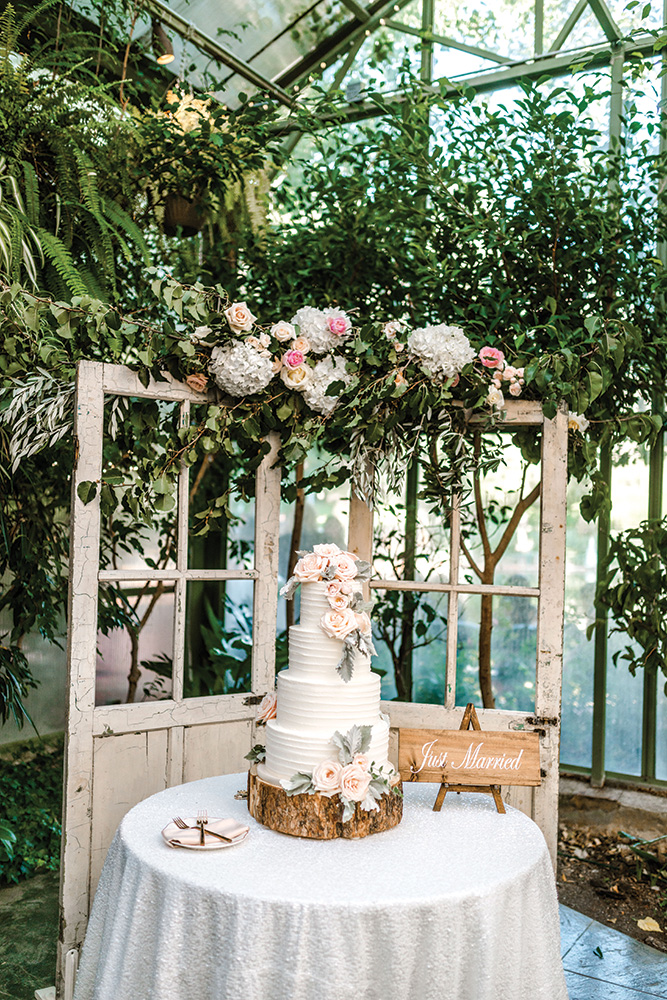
x=469 y=759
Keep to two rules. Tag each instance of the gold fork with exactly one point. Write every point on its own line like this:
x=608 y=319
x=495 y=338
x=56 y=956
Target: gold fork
x=182 y=825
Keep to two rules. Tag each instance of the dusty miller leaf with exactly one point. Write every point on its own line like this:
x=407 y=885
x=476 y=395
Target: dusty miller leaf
x=348 y=809
x=299 y=784
x=345 y=665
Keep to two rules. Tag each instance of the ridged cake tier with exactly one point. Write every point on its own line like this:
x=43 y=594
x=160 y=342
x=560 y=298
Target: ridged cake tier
x=288 y=751
x=313 y=700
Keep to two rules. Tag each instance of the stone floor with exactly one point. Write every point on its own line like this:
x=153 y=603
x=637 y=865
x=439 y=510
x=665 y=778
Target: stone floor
x=600 y=963
x=603 y=964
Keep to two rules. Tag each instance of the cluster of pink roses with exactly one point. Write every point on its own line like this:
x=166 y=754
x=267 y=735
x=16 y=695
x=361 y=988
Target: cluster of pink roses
x=352 y=781
x=329 y=562
x=492 y=357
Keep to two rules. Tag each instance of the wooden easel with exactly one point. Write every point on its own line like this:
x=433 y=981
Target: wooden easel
x=469 y=721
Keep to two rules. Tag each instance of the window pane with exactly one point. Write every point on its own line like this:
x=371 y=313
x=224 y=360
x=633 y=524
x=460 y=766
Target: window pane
x=578 y=652
x=218 y=630
x=410 y=633
x=513 y=650
x=135 y=641
x=501 y=492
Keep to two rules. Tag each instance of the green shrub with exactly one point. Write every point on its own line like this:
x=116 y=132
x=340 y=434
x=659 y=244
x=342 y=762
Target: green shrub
x=31 y=787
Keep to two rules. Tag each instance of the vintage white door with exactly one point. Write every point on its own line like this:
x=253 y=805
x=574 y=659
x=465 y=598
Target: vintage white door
x=540 y=803
x=117 y=755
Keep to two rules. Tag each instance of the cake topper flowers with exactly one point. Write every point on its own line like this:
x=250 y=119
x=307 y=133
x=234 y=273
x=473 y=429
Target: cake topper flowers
x=347 y=618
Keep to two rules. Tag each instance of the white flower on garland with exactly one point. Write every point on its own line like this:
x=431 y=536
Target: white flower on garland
x=495 y=398
x=443 y=350
x=577 y=422
x=239 y=369
x=324 y=329
x=323 y=374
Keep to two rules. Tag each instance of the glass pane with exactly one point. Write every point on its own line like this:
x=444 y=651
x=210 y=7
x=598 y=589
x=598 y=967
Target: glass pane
x=134 y=642
x=513 y=650
x=410 y=632
x=218 y=629
x=500 y=494
x=505 y=27
x=391 y=527
x=126 y=541
x=629 y=486
x=623 y=744
x=580 y=573
x=661 y=734
x=586 y=31
x=630 y=20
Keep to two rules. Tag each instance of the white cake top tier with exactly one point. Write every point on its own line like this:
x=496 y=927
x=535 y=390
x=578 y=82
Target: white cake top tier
x=315 y=603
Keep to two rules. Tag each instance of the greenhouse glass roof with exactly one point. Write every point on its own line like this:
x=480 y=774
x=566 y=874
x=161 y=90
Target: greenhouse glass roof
x=280 y=46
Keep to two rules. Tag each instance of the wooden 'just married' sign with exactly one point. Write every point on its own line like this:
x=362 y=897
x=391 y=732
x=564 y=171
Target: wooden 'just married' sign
x=468 y=759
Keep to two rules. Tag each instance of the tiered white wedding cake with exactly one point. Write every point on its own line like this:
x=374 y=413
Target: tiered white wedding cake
x=324 y=730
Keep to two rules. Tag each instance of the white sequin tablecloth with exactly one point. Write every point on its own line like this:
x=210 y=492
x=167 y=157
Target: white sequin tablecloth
x=456 y=905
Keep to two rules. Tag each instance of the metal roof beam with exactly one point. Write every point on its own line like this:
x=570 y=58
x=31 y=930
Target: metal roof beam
x=449 y=43
x=340 y=40
x=607 y=23
x=214 y=49
x=567 y=28
x=356 y=8
x=550 y=64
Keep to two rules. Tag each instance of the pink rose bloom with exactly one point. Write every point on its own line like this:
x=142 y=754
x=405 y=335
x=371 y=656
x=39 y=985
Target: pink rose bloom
x=310 y=567
x=345 y=588
x=198 y=381
x=328 y=550
x=363 y=622
x=354 y=782
x=491 y=357
x=509 y=373
x=239 y=317
x=267 y=707
x=339 y=624
x=334 y=588
x=339 y=601
x=338 y=324
x=515 y=389
x=398 y=347
x=292 y=359
x=345 y=564
x=326 y=777
x=361 y=760
x=519 y=372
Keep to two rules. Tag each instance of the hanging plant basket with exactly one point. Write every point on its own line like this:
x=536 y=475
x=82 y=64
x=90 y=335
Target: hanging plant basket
x=181 y=213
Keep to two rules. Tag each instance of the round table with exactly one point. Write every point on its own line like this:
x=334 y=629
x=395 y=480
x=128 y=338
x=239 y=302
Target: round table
x=455 y=905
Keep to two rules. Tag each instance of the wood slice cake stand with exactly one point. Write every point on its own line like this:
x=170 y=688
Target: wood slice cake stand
x=317 y=816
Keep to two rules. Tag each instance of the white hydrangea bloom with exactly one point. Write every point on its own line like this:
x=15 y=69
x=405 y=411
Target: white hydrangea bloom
x=239 y=369
x=443 y=349
x=316 y=326
x=325 y=372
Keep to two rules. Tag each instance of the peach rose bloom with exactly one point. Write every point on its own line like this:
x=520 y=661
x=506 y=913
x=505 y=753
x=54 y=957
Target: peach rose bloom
x=239 y=317
x=301 y=344
x=345 y=564
x=334 y=587
x=198 y=382
x=362 y=761
x=328 y=550
x=363 y=622
x=267 y=707
x=276 y=366
x=354 y=782
x=338 y=624
x=326 y=777
x=309 y=568
x=297 y=378
x=339 y=602
x=515 y=389
x=283 y=331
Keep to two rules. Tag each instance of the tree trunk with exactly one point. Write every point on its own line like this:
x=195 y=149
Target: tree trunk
x=295 y=541
x=485 y=630
x=135 y=673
